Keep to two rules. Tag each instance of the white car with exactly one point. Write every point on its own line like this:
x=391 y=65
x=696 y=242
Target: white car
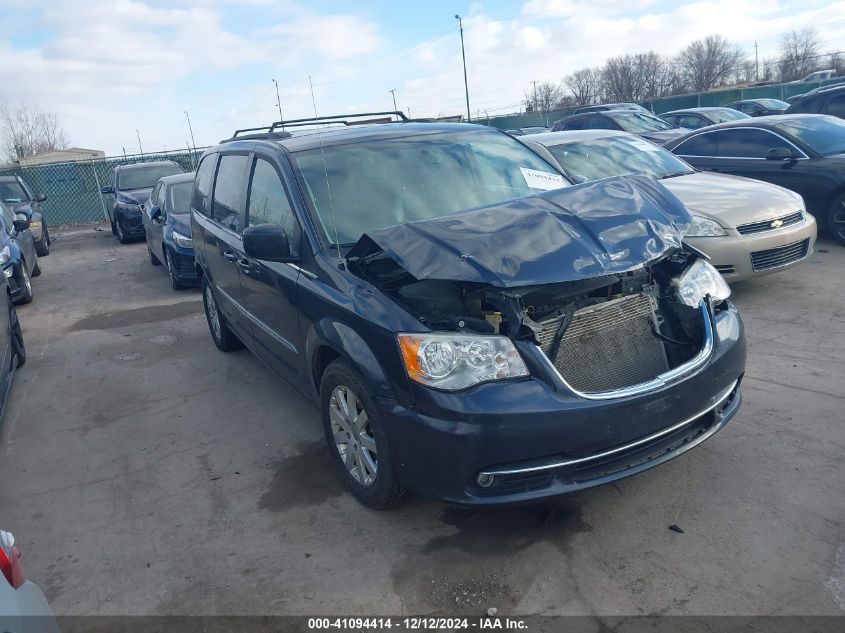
x=23 y=607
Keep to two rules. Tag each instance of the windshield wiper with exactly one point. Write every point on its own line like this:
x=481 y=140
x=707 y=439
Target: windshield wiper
x=676 y=174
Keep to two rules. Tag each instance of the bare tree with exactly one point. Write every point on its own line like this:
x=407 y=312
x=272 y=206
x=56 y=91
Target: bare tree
x=636 y=77
x=27 y=130
x=799 y=52
x=585 y=85
x=709 y=62
x=542 y=96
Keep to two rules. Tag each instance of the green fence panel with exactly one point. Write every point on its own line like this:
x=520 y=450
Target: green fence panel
x=73 y=188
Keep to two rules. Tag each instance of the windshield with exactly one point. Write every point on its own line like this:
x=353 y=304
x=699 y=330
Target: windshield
x=617 y=156
x=773 y=104
x=638 y=123
x=727 y=114
x=11 y=191
x=145 y=177
x=180 y=197
x=823 y=134
x=391 y=181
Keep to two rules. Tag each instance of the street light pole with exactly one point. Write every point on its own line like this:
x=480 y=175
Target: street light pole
x=393 y=92
x=464 y=55
x=139 y=141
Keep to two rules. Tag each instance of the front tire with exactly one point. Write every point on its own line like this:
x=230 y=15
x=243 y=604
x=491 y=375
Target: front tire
x=121 y=236
x=171 y=272
x=42 y=248
x=18 y=347
x=836 y=219
x=355 y=437
x=26 y=285
x=223 y=337
x=153 y=259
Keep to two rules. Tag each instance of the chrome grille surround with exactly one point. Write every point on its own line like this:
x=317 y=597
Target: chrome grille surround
x=767 y=225
x=609 y=345
x=780 y=256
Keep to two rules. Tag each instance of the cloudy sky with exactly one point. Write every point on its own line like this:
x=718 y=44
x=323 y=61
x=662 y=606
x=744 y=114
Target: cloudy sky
x=107 y=67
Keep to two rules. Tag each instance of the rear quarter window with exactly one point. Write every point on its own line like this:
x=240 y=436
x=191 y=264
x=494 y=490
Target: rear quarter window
x=201 y=195
x=700 y=145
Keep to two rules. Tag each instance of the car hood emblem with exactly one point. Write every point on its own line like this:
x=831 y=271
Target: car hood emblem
x=776 y=224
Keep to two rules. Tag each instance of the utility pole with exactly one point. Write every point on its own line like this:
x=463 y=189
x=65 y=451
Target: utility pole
x=278 y=101
x=139 y=141
x=392 y=91
x=464 y=56
x=756 y=62
x=535 y=95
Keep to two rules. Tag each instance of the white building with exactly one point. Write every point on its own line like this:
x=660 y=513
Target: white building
x=61 y=156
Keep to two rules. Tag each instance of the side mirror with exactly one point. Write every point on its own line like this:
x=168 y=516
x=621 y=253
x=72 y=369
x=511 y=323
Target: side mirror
x=107 y=189
x=21 y=222
x=155 y=213
x=267 y=241
x=41 y=197
x=780 y=153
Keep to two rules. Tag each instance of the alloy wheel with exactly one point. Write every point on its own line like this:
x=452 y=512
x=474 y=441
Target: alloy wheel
x=837 y=221
x=353 y=436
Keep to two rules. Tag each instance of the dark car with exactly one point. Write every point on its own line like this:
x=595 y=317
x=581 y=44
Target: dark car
x=602 y=107
x=167 y=224
x=759 y=107
x=694 y=118
x=471 y=326
x=642 y=124
x=130 y=189
x=17 y=254
x=826 y=100
x=15 y=193
x=802 y=152
x=11 y=343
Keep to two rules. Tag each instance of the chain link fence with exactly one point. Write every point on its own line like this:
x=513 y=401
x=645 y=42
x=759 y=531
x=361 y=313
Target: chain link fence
x=73 y=188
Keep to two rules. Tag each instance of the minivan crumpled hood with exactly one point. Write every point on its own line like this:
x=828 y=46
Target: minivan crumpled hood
x=590 y=230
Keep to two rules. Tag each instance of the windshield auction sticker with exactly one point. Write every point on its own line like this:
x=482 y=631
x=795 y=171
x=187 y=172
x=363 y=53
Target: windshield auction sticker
x=544 y=180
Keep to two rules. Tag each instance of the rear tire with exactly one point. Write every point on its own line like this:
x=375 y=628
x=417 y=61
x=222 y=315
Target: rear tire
x=355 y=437
x=18 y=346
x=223 y=337
x=42 y=248
x=113 y=230
x=174 y=281
x=121 y=236
x=836 y=219
x=153 y=259
x=36 y=270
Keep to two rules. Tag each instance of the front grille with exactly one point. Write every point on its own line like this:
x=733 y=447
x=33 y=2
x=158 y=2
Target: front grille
x=726 y=269
x=780 y=256
x=770 y=225
x=607 y=346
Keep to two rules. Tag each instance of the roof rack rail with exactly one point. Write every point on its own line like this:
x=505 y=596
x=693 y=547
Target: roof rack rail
x=276 y=130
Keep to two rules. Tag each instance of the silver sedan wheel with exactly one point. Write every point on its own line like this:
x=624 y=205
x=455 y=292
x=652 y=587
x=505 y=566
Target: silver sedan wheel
x=213 y=316
x=353 y=435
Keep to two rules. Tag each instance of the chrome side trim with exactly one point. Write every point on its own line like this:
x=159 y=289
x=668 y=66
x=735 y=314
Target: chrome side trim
x=258 y=322
x=687 y=369
x=720 y=399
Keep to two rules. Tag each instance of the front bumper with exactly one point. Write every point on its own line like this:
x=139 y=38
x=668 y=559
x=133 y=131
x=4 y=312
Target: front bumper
x=537 y=438
x=130 y=221
x=732 y=254
x=13 y=279
x=184 y=266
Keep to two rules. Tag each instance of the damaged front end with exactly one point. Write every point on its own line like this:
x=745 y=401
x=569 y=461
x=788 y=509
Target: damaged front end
x=596 y=275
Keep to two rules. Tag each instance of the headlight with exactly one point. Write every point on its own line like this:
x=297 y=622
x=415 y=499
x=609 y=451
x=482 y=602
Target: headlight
x=5 y=255
x=704 y=227
x=182 y=240
x=129 y=207
x=456 y=361
x=700 y=280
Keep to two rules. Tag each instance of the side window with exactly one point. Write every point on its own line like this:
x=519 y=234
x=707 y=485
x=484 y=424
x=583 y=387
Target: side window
x=700 y=145
x=154 y=194
x=577 y=124
x=836 y=106
x=201 y=193
x=811 y=105
x=26 y=190
x=601 y=123
x=269 y=204
x=228 y=191
x=747 y=143
x=691 y=121
x=8 y=219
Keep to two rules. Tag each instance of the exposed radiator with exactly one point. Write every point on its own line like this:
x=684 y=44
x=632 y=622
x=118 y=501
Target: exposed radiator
x=607 y=346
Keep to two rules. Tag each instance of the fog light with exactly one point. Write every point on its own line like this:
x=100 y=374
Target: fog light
x=484 y=480
x=8 y=272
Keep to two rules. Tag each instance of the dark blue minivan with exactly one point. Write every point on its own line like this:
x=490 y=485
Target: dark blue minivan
x=471 y=325
x=167 y=226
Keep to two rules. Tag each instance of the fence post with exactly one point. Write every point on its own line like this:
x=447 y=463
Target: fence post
x=99 y=193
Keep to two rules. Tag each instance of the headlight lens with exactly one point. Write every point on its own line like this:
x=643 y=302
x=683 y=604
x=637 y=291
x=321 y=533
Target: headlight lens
x=455 y=361
x=5 y=255
x=182 y=240
x=129 y=207
x=700 y=280
x=704 y=227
